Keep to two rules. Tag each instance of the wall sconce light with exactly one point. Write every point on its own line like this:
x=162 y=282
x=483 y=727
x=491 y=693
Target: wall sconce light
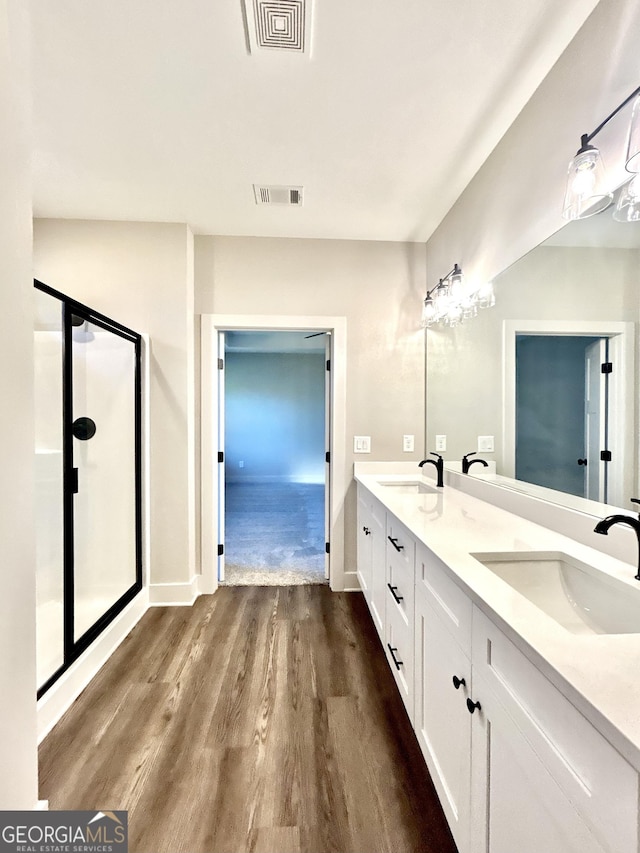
x=587 y=191
x=454 y=299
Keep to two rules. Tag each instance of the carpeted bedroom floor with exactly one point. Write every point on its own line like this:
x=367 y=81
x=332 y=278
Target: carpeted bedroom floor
x=274 y=534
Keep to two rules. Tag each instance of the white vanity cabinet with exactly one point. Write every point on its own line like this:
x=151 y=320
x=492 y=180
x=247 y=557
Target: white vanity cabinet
x=517 y=768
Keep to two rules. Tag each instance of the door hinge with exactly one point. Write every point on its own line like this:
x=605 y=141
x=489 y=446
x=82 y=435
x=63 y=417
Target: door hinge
x=220 y=364
x=220 y=456
x=607 y=367
x=220 y=550
x=327 y=456
x=605 y=456
x=328 y=364
x=327 y=547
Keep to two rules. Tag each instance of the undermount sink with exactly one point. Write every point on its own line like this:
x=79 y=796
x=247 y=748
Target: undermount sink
x=577 y=596
x=408 y=487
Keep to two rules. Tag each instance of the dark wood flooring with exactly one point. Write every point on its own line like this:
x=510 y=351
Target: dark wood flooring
x=260 y=719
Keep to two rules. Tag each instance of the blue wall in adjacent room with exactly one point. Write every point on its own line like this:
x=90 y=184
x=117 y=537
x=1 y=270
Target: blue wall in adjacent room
x=274 y=416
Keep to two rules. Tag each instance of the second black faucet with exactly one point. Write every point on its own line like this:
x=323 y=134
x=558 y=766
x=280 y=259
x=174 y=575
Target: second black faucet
x=439 y=463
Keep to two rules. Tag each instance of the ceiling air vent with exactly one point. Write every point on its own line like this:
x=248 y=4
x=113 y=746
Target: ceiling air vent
x=278 y=24
x=278 y=195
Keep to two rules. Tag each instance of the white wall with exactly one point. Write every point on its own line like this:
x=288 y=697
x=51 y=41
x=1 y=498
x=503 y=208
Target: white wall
x=515 y=200
x=18 y=755
x=141 y=274
x=378 y=287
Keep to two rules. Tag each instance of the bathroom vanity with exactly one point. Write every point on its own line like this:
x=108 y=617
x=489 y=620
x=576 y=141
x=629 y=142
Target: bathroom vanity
x=518 y=666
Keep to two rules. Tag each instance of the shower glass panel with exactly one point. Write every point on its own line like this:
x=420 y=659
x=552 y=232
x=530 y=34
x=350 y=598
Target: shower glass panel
x=49 y=477
x=104 y=457
x=88 y=476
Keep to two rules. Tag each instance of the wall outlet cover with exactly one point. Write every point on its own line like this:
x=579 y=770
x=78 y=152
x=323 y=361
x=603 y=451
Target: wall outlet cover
x=362 y=444
x=485 y=444
x=408 y=443
x=441 y=442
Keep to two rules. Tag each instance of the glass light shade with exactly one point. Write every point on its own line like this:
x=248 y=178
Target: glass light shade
x=628 y=206
x=486 y=296
x=428 y=313
x=586 y=192
x=441 y=300
x=633 y=142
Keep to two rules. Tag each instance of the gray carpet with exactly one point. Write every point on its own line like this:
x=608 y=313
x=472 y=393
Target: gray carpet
x=274 y=534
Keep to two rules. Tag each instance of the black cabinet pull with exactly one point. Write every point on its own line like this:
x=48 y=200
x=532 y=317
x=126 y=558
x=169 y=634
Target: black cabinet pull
x=74 y=481
x=393 y=589
x=393 y=649
x=582 y=461
x=458 y=682
x=394 y=542
x=471 y=706
x=367 y=532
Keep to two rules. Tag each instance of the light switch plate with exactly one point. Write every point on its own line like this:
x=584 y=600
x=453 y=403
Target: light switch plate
x=407 y=443
x=441 y=442
x=485 y=444
x=362 y=444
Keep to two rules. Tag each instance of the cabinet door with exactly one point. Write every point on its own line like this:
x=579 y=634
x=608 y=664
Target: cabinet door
x=364 y=544
x=517 y=804
x=441 y=720
x=378 y=568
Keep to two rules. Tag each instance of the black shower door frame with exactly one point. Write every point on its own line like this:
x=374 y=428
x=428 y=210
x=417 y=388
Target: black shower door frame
x=72 y=648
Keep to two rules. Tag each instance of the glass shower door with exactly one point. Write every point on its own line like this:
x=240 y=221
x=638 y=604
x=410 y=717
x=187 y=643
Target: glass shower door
x=104 y=458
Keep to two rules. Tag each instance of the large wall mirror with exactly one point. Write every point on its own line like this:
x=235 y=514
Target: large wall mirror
x=550 y=371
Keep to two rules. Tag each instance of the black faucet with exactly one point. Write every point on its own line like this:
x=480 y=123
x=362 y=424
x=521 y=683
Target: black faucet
x=607 y=523
x=466 y=464
x=439 y=463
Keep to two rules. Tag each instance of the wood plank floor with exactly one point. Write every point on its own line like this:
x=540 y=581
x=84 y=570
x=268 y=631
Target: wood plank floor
x=260 y=719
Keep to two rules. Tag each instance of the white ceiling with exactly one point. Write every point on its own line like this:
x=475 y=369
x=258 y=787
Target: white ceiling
x=154 y=110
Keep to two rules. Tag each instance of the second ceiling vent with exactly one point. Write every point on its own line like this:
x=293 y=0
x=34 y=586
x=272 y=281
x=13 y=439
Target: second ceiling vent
x=278 y=195
x=278 y=24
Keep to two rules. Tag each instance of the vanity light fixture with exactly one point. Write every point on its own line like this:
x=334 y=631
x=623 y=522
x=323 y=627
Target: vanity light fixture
x=454 y=299
x=587 y=191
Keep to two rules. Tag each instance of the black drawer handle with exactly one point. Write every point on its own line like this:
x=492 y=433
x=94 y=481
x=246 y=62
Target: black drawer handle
x=458 y=682
x=397 y=662
x=393 y=589
x=367 y=532
x=471 y=706
x=394 y=542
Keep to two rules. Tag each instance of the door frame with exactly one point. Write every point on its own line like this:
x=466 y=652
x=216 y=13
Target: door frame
x=211 y=324
x=621 y=385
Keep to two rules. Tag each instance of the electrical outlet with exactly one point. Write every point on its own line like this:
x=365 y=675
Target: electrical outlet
x=362 y=444
x=441 y=442
x=485 y=444
x=407 y=443
x=240 y=464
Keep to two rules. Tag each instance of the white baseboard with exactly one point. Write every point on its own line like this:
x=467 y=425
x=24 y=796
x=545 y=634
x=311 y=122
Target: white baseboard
x=42 y=806
x=174 y=594
x=351 y=582
x=61 y=695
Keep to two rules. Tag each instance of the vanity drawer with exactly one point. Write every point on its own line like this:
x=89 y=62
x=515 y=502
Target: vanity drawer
x=398 y=647
x=447 y=599
x=400 y=585
x=595 y=778
x=401 y=546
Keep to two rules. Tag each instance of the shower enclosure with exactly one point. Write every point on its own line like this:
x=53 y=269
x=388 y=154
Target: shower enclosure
x=88 y=476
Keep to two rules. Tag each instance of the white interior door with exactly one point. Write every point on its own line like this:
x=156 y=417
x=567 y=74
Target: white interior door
x=327 y=444
x=595 y=420
x=221 y=464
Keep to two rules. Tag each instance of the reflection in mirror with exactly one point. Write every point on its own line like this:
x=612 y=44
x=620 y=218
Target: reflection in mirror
x=549 y=371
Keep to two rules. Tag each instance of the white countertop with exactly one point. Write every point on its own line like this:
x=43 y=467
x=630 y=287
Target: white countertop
x=599 y=674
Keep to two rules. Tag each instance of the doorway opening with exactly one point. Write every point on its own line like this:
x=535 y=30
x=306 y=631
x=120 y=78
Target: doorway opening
x=562 y=419
x=274 y=429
